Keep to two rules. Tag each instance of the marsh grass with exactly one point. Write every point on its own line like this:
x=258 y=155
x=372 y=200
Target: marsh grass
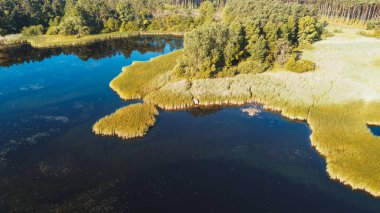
x=340 y=133
x=174 y=95
x=338 y=100
x=128 y=122
x=141 y=78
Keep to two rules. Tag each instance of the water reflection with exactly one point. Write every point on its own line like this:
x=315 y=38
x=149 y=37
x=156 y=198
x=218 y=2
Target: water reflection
x=204 y=110
x=98 y=50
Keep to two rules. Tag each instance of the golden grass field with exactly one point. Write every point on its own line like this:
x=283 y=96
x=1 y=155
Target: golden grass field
x=338 y=100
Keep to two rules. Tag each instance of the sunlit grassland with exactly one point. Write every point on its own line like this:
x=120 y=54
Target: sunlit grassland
x=174 y=95
x=340 y=134
x=48 y=41
x=140 y=79
x=337 y=100
x=128 y=122
x=376 y=61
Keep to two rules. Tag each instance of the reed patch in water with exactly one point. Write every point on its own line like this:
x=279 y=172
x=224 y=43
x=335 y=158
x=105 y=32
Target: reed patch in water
x=128 y=122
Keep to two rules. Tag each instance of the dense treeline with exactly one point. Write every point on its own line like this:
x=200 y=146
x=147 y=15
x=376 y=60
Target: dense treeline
x=347 y=10
x=72 y=17
x=194 y=3
x=252 y=36
x=94 y=16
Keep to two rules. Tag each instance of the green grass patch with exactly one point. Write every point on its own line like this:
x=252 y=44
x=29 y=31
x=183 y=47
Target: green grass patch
x=128 y=122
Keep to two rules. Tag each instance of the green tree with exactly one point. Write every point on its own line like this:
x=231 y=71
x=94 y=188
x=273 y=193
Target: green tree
x=260 y=49
x=204 y=52
x=252 y=31
x=73 y=26
x=126 y=11
x=234 y=49
x=206 y=13
x=33 y=30
x=111 y=25
x=307 y=30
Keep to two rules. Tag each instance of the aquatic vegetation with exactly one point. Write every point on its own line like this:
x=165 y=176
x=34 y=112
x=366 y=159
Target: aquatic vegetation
x=338 y=100
x=128 y=122
x=139 y=79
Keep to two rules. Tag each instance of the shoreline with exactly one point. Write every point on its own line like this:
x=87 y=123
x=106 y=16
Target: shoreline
x=336 y=101
x=52 y=41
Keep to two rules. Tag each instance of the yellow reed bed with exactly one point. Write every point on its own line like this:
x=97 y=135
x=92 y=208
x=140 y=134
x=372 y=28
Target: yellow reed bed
x=140 y=79
x=337 y=100
x=128 y=122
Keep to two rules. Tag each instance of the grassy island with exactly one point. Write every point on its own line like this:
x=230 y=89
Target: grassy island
x=128 y=122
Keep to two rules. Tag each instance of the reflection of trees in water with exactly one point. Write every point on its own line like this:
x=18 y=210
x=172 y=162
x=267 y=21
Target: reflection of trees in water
x=98 y=50
x=204 y=110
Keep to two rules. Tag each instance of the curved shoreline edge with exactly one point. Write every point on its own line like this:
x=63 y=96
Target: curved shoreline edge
x=51 y=41
x=337 y=100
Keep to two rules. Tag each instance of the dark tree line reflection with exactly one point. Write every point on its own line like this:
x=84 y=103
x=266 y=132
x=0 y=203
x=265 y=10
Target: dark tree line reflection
x=104 y=49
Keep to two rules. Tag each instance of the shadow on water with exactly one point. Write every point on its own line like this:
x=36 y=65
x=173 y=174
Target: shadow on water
x=209 y=159
x=98 y=50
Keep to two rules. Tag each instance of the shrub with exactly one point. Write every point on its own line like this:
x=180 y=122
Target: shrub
x=307 y=29
x=305 y=46
x=33 y=30
x=282 y=51
x=73 y=26
x=2 y=32
x=251 y=66
x=54 y=22
x=326 y=33
x=373 y=25
x=53 y=30
x=337 y=30
x=374 y=33
x=130 y=26
x=111 y=25
x=299 y=66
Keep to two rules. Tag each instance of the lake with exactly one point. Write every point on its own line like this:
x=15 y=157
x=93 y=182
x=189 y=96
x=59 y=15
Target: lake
x=210 y=159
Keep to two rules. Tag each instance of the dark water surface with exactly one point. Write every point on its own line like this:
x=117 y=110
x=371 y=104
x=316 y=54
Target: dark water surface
x=203 y=160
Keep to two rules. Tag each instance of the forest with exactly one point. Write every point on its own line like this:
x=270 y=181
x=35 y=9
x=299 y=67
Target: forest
x=225 y=37
x=83 y=17
x=252 y=36
x=95 y=16
x=346 y=10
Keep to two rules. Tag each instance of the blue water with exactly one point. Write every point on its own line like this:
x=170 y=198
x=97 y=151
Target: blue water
x=199 y=160
x=374 y=129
